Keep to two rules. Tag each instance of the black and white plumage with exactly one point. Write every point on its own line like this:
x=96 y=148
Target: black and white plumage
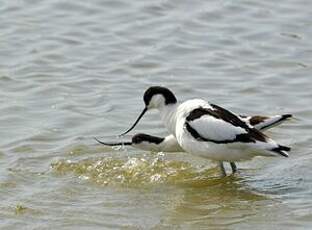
x=170 y=144
x=265 y=122
x=226 y=128
x=150 y=143
x=208 y=130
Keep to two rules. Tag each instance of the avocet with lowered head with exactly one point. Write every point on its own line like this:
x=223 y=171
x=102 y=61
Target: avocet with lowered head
x=170 y=144
x=208 y=130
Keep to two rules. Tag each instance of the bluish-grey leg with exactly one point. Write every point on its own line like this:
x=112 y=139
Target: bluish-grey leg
x=223 y=173
x=233 y=166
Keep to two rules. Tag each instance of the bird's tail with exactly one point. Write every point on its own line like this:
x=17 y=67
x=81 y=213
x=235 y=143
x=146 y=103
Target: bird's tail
x=282 y=150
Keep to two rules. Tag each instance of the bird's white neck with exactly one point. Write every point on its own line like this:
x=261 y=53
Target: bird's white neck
x=168 y=116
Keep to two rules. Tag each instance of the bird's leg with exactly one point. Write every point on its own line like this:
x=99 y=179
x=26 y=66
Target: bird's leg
x=223 y=173
x=233 y=166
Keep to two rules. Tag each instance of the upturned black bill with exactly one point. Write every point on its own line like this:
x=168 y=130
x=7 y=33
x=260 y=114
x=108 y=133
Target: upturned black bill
x=113 y=144
x=136 y=122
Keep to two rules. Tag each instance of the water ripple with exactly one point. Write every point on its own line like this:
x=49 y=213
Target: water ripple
x=72 y=70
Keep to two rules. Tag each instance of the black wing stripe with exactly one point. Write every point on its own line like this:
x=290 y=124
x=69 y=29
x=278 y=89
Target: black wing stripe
x=245 y=137
x=218 y=112
x=229 y=117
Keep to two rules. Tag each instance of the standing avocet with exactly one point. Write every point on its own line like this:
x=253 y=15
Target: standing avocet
x=209 y=130
x=170 y=144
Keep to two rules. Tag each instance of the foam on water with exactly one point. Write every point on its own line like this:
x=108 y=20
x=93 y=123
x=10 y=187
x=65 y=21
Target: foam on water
x=73 y=70
x=135 y=171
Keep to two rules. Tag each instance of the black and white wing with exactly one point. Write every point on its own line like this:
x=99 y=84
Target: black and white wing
x=265 y=122
x=218 y=125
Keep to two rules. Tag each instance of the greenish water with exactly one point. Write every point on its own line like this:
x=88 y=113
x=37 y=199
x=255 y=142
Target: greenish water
x=72 y=70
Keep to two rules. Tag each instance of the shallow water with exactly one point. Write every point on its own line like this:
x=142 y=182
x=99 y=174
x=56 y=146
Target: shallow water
x=72 y=70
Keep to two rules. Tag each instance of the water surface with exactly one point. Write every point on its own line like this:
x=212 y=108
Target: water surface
x=72 y=70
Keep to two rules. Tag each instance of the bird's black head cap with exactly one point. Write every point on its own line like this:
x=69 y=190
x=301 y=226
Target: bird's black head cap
x=159 y=90
x=140 y=137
